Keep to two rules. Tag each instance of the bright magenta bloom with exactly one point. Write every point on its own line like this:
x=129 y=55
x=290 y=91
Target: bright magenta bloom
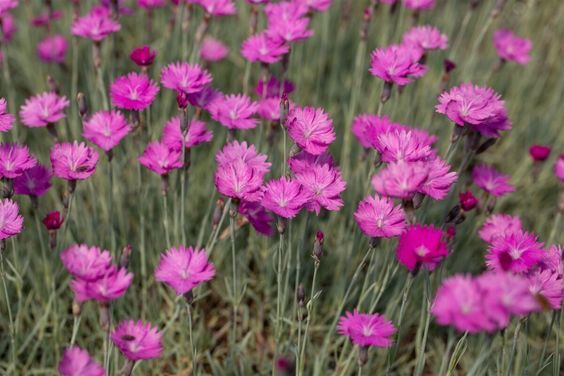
x=548 y=289
x=559 y=167
x=478 y=107
x=33 y=182
x=8 y=27
x=6 y=118
x=401 y=179
x=285 y=11
x=367 y=128
x=418 y=5
x=269 y=109
x=143 y=56
x=96 y=25
x=106 y=129
x=197 y=134
x=467 y=200
x=326 y=184
x=151 y=4
x=303 y=161
x=273 y=88
x=426 y=37
x=74 y=161
x=134 y=91
x=137 y=340
x=539 y=153
x=43 y=109
x=311 y=129
x=213 y=50
x=53 y=49
x=397 y=64
x=240 y=181
x=365 y=329
x=77 y=362
x=377 y=217
x=491 y=181
x=53 y=220
x=185 y=78
x=421 y=246
x=161 y=159
x=184 y=268
x=499 y=225
x=242 y=151
x=15 y=160
x=285 y=197
x=290 y=31
x=511 y=47
x=264 y=48
x=11 y=222
x=234 y=111
x=439 y=180
x=111 y=286
x=217 y=7
x=85 y=262
x=258 y=217
x=402 y=145
x=518 y=252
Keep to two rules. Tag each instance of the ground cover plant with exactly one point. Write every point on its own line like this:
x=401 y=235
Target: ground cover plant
x=301 y=187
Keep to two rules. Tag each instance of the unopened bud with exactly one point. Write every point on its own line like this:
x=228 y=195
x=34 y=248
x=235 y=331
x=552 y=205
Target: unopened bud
x=281 y=225
x=362 y=355
x=386 y=92
x=125 y=256
x=189 y=297
x=52 y=84
x=318 y=246
x=76 y=308
x=164 y=184
x=217 y=212
x=453 y=214
x=284 y=109
x=104 y=316
x=300 y=296
x=182 y=100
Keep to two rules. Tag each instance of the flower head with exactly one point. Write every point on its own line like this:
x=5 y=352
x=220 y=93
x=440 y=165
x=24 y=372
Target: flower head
x=106 y=129
x=303 y=161
x=234 y=111
x=377 y=217
x=11 y=222
x=539 y=153
x=53 y=49
x=134 y=91
x=426 y=37
x=418 y=5
x=467 y=200
x=402 y=145
x=439 y=180
x=285 y=197
x=197 y=134
x=184 y=268
x=421 y=246
x=43 y=109
x=111 y=285
x=240 y=181
x=326 y=184
x=264 y=48
x=499 y=225
x=397 y=64
x=86 y=262
x=74 y=161
x=151 y=4
x=96 y=25
x=33 y=182
x=143 y=56
x=217 y=7
x=137 y=340
x=245 y=152
x=311 y=129
x=317 y=5
x=491 y=181
x=77 y=362
x=273 y=88
x=517 y=252
x=213 y=50
x=548 y=289
x=185 y=78
x=367 y=128
x=366 y=329
x=511 y=47
x=6 y=118
x=160 y=158
x=6 y=5
x=53 y=220
x=15 y=160
x=401 y=179
x=291 y=30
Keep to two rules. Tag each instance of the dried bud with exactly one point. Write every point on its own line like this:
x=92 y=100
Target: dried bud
x=467 y=200
x=52 y=84
x=76 y=308
x=143 y=56
x=453 y=214
x=104 y=316
x=362 y=355
x=53 y=220
x=498 y=8
x=284 y=108
x=82 y=105
x=374 y=242
x=386 y=92
x=189 y=297
x=448 y=65
x=281 y=225
x=318 y=246
x=300 y=296
x=539 y=153
x=418 y=200
x=217 y=212
x=125 y=256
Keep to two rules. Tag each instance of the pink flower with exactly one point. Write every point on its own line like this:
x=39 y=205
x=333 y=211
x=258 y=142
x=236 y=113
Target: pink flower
x=290 y=31
x=539 y=153
x=311 y=129
x=185 y=78
x=303 y=161
x=264 y=48
x=77 y=362
x=7 y=27
x=53 y=221
x=33 y=182
x=517 y=252
x=213 y=50
x=552 y=260
x=258 y=217
x=137 y=341
x=326 y=184
x=15 y=160
x=401 y=179
x=426 y=37
x=184 y=268
x=6 y=118
x=547 y=288
x=74 y=161
x=418 y=5
x=242 y=151
x=499 y=225
x=85 y=262
x=397 y=64
x=285 y=11
x=6 y=5
x=402 y=145
x=377 y=217
x=45 y=18
x=53 y=49
x=366 y=329
x=316 y=5
x=421 y=246
x=161 y=159
x=234 y=111
x=439 y=180
x=43 y=109
x=467 y=200
x=143 y=56
x=367 y=128
x=11 y=222
x=134 y=91
x=269 y=109
x=204 y=98
x=96 y=25
x=218 y=7
x=491 y=181
x=151 y=4
x=106 y=129
x=478 y=107
x=197 y=134
x=240 y=181
x=285 y=197
x=511 y=47
x=559 y=167
x=273 y=88
x=110 y=286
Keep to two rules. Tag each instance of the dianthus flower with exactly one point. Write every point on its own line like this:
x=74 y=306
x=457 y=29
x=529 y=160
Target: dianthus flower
x=15 y=160
x=311 y=129
x=33 y=182
x=367 y=329
x=491 y=181
x=6 y=118
x=151 y=4
x=273 y=88
x=185 y=78
x=43 y=109
x=511 y=47
x=245 y=152
x=402 y=145
x=548 y=289
x=303 y=161
x=143 y=56
x=559 y=167
x=106 y=129
x=86 y=262
x=258 y=217
x=289 y=31
x=197 y=134
x=77 y=362
x=316 y=5
x=539 y=153
x=160 y=158
x=439 y=180
x=397 y=64
x=421 y=247
x=11 y=222
x=418 y=5
x=134 y=91
x=6 y=5
x=96 y=25
x=264 y=48
x=499 y=225
x=326 y=184
x=234 y=111
x=213 y=50
x=285 y=197
x=367 y=128
x=401 y=179
x=110 y=286
x=74 y=161
x=517 y=252
x=137 y=340
x=218 y=7
x=377 y=217
x=53 y=49
x=426 y=37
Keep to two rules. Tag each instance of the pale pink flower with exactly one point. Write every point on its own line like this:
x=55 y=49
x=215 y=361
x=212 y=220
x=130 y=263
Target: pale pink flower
x=326 y=184
x=311 y=129
x=245 y=152
x=418 y=5
x=6 y=118
x=53 y=49
x=367 y=128
x=218 y=7
x=11 y=222
x=87 y=263
x=499 y=225
x=264 y=48
x=6 y=5
x=185 y=78
x=426 y=37
x=110 y=286
x=77 y=362
x=303 y=161
x=439 y=180
x=197 y=134
x=239 y=181
x=234 y=111
x=548 y=289
x=401 y=179
x=402 y=145
x=15 y=160
x=96 y=25
x=43 y=109
x=289 y=31
x=106 y=129
x=367 y=329
x=137 y=340
x=377 y=217
x=559 y=167
x=397 y=64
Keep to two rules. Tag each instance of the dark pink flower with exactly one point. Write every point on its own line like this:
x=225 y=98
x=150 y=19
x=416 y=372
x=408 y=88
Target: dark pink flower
x=53 y=49
x=539 y=153
x=7 y=27
x=316 y=5
x=74 y=161
x=559 y=167
x=397 y=64
x=53 y=220
x=377 y=217
x=264 y=48
x=143 y=56
x=137 y=340
x=77 y=362
x=160 y=158
x=6 y=118
x=134 y=91
x=418 y=5
x=106 y=129
x=273 y=88
x=234 y=111
x=491 y=181
x=426 y=37
x=213 y=50
x=311 y=129
x=326 y=184
x=204 y=98
x=185 y=78
x=285 y=197
x=511 y=47
x=258 y=217
x=499 y=225
x=366 y=329
x=15 y=160
x=43 y=109
x=197 y=134
x=86 y=262
x=401 y=179
x=517 y=252
x=467 y=200
x=290 y=31
x=151 y=4
x=421 y=247
x=6 y=5
x=240 y=181
x=11 y=222
x=96 y=25
x=33 y=182
x=218 y=7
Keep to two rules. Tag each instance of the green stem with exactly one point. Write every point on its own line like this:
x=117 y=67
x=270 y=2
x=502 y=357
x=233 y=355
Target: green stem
x=192 y=345
x=403 y=306
x=279 y=289
x=426 y=308
x=310 y=310
x=12 y=329
x=235 y=290
x=75 y=327
x=165 y=219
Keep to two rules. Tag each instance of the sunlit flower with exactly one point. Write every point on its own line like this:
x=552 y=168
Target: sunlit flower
x=74 y=161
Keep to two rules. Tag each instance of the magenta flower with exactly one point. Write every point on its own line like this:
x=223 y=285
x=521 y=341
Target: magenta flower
x=264 y=48
x=134 y=91
x=426 y=37
x=151 y=4
x=77 y=362
x=257 y=216
x=269 y=109
x=366 y=329
x=218 y=8
x=242 y=151
x=6 y=118
x=137 y=340
x=87 y=263
x=397 y=64
x=110 y=286
x=197 y=134
x=290 y=31
x=539 y=153
x=518 y=252
x=15 y=160
x=552 y=260
x=467 y=200
x=421 y=246
x=213 y=50
x=401 y=180
x=285 y=197
x=185 y=78
x=273 y=88
x=240 y=181
x=481 y=108
x=204 y=98
x=53 y=49
x=53 y=221
x=303 y=161
x=511 y=47
x=161 y=159
x=326 y=184
x=184 y=268
x=548 y=289
x=106 y=129
x=559 y=167
x=377 y=217
x=285 y=11
x=491 y=181
x=402 y=145
x=499 y=225
x=33 y=182
x=367 y=128
x=43 y=109
x=6 y=5
x=234 y=111
x=8 y=27
x=11 y=222
x=418 y=5
x=96 y=25
x=311 y=129
x=439 y=180
x=74 y=161
x=143 y=56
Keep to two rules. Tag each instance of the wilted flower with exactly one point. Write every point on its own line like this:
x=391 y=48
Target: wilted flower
x=426 y=37
x=511 y=47
x=11 y=222
x=143 y=56
x=77 y=362
x=134 y=91
x=264 y=48
x=326 y=184
x=213 y=50
x=86 y=262
x=397 y=64
x=53 y=49
x=366 y=329
x=491 y=181
x=137 y=340
x=6 y=118
x=197 y=134
x=285 y=197
x=377 y=217
x=234 y=111
x=421 y=246
x=33 y=182
x=517 y=252
x=74 y=161
x=539 y=153
x=43 y=109
x=96 y=25
x=161 y=159
x=499 y=225
x=14 y=160
x=106 y=129
x=185 y=78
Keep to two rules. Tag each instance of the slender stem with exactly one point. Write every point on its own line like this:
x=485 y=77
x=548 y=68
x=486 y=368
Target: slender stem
x=75 y=327
x=310 y=310
x=111 y=223
x=403 y=306
x=426 y=307
x=555 y=227
x=513 y=347
x=234 y=278
x=543 y=353
x=12 y=329
x=165 y=219
x=214 y=235
x=192 y=345
x=279 y=289
x=107 y=343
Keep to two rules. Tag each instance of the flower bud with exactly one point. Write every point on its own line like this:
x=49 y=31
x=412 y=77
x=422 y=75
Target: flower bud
x=82 y=105
x=217 y=212
x=467 y=200
x=318 y=246
x=53 y=220
x=182 y=101
x=539 y=153
x=362 y=355
x=125 y=256
x=143 y=56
